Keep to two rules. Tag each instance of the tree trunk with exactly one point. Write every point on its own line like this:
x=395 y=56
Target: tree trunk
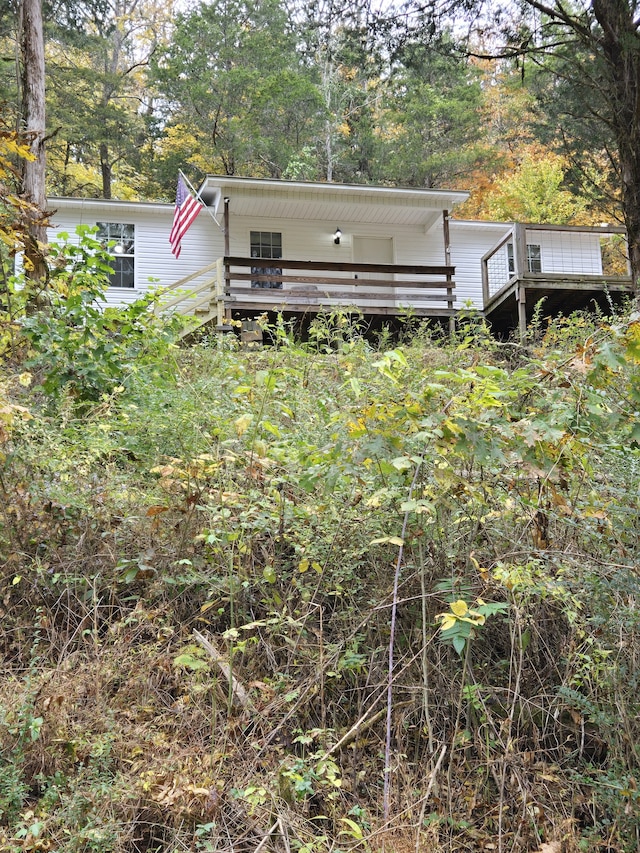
x=105 y=168
x=33 y=117
x=620 y=46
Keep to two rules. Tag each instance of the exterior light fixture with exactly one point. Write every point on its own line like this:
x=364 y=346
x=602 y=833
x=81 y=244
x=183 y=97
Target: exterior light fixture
x=336 y=236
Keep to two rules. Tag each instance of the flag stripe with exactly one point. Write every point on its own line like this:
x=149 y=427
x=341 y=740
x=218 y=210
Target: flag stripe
x=187 y=209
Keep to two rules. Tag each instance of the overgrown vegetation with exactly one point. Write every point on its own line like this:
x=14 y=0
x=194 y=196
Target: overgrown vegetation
x=211 y=555
x=317 y=597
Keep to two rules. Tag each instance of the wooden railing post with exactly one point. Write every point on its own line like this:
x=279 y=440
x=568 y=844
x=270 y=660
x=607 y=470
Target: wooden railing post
x=484 y=269
x=219 y=293
x=520 y=249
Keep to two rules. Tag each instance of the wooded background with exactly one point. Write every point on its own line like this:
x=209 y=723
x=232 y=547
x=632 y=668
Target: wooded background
x=485 y=99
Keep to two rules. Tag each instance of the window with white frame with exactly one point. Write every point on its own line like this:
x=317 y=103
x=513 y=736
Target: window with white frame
x=119 y=239
x=266 y=244
x=534 y=258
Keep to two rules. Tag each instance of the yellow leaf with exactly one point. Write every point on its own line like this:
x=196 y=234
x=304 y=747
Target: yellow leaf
x=391 y=540
x=473 y=618
x=448 y=621
x=354 y=830
x=459 y=607
x=242 y=424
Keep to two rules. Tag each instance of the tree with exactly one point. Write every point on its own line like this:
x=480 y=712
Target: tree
x=433 y=122
x=32 y=102
x=535 y=192
x=233 y=94
x=98 y=95
x=594 y=46
x=342 y=41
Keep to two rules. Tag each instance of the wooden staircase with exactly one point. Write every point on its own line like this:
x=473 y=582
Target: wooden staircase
x=199 y=296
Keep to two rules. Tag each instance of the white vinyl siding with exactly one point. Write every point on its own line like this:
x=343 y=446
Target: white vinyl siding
x=155 y=266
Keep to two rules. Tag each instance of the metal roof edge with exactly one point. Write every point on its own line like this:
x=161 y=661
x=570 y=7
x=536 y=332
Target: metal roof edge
x=73 y=201
x=230 y=181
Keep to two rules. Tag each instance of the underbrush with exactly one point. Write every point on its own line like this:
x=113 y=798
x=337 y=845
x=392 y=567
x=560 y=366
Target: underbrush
x=326 y=597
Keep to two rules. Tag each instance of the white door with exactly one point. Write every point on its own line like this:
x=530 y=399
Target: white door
x=375 y=250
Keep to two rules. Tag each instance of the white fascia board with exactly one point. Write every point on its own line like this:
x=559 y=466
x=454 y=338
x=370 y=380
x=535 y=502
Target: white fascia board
x=444 y=199
x=115 y=205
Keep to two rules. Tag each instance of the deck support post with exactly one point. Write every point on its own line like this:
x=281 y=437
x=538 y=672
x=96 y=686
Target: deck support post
x=522 y=312
x=227 y=252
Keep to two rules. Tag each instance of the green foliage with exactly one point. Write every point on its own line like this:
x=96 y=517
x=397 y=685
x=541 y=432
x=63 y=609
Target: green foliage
x=459 y=624
x=433 y=96
x=263 y=497
x=536 y=192
x=240 y=99
x=80 y=345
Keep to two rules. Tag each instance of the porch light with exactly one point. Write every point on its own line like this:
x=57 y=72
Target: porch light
x=336 y=236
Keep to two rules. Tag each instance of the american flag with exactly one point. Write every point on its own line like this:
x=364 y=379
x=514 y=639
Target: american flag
x=187 y=208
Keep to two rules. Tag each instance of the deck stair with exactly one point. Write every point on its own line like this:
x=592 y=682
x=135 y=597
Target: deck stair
x=199 y=296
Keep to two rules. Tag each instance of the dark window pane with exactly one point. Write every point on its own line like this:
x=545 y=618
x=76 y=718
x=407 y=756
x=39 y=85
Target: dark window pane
x=119 y=239
x=534 y=258
x=266 y=244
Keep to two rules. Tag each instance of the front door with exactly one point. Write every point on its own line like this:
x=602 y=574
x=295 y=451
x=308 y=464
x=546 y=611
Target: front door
x=375 y=250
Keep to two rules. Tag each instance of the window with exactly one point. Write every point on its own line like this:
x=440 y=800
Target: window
x=120 y=241
x=534 y=258
x=266 y=244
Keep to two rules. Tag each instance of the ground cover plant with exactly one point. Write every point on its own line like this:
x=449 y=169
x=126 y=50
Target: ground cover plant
x=337 y=596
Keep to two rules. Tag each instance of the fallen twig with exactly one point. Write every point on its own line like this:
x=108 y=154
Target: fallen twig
x=238 y=691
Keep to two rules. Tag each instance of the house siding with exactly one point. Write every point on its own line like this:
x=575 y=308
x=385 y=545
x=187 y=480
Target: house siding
x=469 y=242
x=312 y=239
x=155 y=266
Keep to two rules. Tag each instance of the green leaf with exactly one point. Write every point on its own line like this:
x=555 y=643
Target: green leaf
x=188 y=661
x=459 y=644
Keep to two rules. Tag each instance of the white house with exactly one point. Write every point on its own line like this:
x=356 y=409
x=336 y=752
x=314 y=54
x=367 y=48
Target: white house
x=383 y=249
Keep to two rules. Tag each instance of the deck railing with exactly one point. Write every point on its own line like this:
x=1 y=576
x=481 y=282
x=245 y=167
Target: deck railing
x=310 y=285
x=307 y=286
x=200 y=294
x=555 y=254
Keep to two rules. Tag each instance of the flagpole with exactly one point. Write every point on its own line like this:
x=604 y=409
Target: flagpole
x=197 y=195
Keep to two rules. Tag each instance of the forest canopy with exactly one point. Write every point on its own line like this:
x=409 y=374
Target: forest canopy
x=363 y=94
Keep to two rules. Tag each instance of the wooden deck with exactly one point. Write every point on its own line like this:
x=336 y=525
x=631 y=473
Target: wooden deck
x=234 y=285
x=512 y=289
x=569 y=267
x=311 y=286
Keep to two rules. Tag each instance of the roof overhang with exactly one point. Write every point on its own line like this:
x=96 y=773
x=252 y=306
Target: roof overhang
x=114 y=205
x=259 y=197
